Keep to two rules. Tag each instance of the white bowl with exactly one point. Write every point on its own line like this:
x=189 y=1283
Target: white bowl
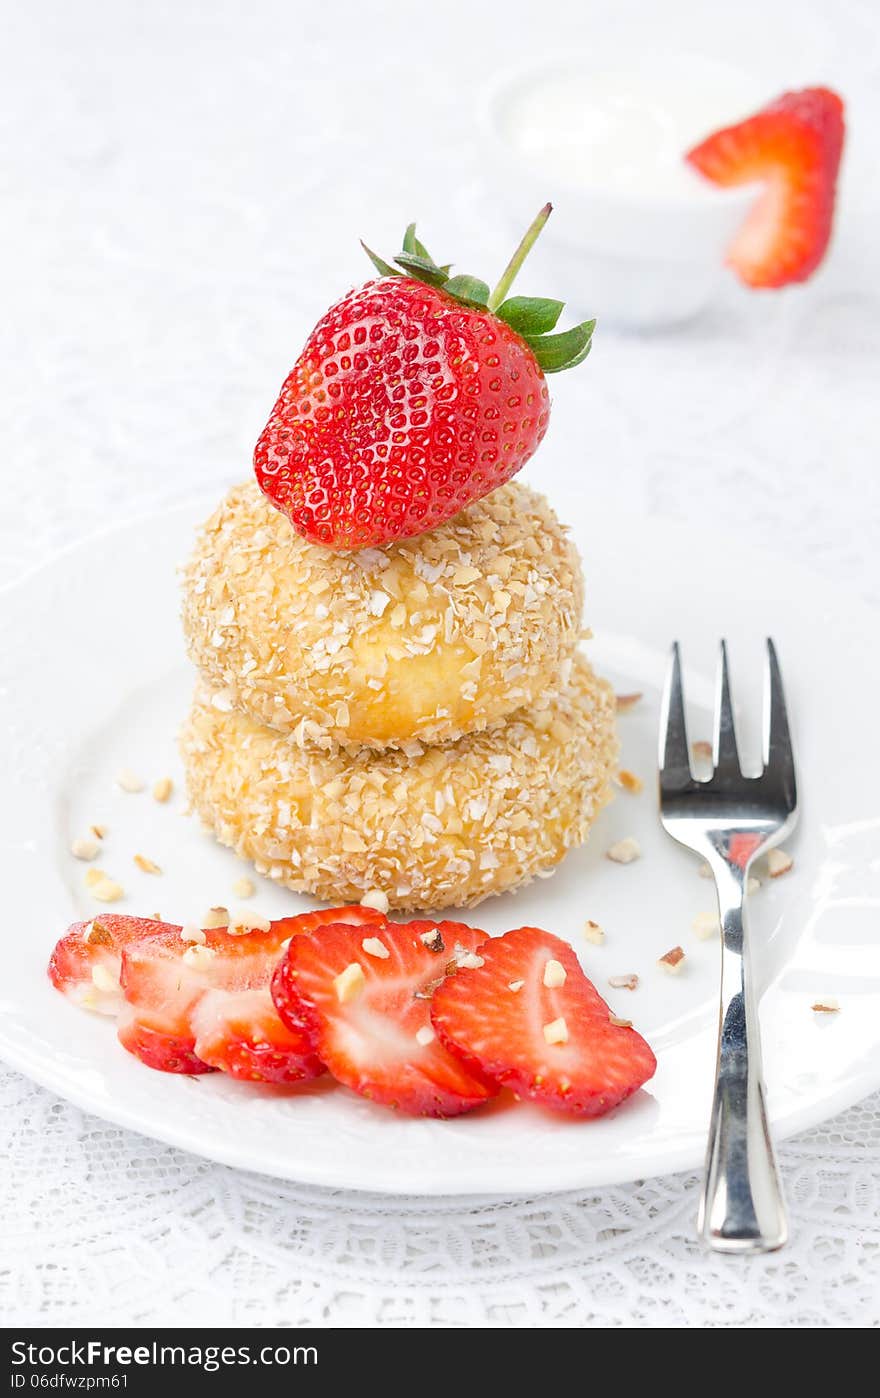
x=638 y=249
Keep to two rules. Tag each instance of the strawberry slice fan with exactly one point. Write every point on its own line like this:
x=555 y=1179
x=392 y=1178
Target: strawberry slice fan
x=431 y=1018
x=414 y=396
x=793 y=147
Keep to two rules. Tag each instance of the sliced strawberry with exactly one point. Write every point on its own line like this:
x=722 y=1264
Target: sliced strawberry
x=529 y=1019
x=366 y=1000
x=167 y=1053
x=193 y=1006
x=240 y=1032
x=86 y=962
x=793 y=146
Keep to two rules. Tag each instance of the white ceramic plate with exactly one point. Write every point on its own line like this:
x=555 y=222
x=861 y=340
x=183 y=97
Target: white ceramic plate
x=94 y=679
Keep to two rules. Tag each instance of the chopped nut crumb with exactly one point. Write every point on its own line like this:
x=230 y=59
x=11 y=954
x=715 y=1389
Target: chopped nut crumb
x=462 y=576
x=85 y=849
x=102 y=979
x=129 y=781
x=706 y=925
x=198 y=956
x=102 y=887
x=470 y=961
x=779 y=861
x=216 y=917
x=148 y=865
x=626 y=701
x=162 y=789
x=594 y=933
x=629 y=781
x=244 y=887
x=515 y=985
x=620 y=1023
x=107 y=891
x=379 y=600
x=241 y=922
x=376 y=899
x=554 y=974
x=191 y=932
x=425 y=1035
x=426 y=991
x=374 y=947
x=624 y=851
x=556 y=1032
x=672 y=960
x=99 y=831
x=629 y=982
x=433 y=939
x=349 y=983
x=827 y=1006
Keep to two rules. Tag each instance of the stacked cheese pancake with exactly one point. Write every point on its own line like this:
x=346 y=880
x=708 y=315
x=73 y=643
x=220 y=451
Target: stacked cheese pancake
x=412 y=720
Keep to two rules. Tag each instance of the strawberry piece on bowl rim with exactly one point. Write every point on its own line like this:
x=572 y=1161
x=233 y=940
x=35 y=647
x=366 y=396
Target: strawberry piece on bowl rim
x=529 y=1019
x=793 y=147
x=366 y=1000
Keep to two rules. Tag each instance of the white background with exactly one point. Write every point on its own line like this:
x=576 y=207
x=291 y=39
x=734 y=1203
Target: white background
x=182 y=189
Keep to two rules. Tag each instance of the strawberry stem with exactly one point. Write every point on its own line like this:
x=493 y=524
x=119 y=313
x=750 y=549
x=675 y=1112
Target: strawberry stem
x=530 y=237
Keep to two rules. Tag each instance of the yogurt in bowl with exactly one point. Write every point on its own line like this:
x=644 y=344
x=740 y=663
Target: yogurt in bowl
x=638 y=235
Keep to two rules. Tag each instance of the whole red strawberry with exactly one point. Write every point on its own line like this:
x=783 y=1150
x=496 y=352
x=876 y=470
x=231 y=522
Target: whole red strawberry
x=414 y=396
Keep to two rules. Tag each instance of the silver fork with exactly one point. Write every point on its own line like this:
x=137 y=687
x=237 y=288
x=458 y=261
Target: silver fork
x=730 y=820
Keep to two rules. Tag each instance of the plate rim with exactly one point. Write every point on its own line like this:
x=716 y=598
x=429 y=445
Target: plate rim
x=685 y=1159
x=616 y=1168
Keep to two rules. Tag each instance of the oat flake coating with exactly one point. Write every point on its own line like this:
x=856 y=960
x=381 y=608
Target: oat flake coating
x=443 y=827
x=429 y=638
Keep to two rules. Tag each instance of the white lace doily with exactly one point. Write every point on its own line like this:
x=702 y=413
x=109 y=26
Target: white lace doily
x=182 y=191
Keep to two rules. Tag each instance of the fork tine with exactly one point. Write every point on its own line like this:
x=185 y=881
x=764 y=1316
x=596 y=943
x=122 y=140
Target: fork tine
x=675 y=762
x=778 y=751
x=725 y=753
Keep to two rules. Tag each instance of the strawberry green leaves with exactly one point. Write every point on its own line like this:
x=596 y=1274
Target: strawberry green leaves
x=557 y=352
x=422 y=269
x=381 y=266
x=469 y=290
x=532 y=317
x=412 y=244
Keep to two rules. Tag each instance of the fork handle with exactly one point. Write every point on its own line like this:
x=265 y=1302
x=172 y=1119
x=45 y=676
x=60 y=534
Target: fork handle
x=741 y=1206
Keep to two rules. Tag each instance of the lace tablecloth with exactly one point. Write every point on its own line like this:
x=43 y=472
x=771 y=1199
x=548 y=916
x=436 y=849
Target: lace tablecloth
x=181 y=193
